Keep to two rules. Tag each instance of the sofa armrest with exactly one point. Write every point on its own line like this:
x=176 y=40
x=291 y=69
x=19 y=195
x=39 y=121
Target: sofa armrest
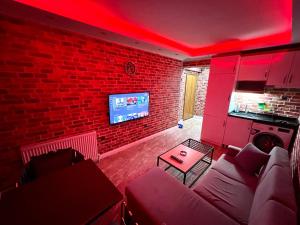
x=233 y=150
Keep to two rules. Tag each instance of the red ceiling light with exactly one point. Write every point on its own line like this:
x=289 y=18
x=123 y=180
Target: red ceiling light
x=96 y=14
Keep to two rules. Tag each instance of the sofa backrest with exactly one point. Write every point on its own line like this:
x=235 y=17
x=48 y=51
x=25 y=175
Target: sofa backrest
x=273 y=213
x=274 y=194
x=278 y=157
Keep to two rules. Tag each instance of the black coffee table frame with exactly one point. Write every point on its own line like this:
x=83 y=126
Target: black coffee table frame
x=207 y=158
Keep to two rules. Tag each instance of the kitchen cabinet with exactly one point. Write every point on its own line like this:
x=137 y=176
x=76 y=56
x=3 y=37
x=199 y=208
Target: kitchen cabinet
x=280 y=69
x=220 y=87
x=225 y=64
x=284 y=70
x=254 y=67
x=237 y=131
x=294 y=76
x=213 y=128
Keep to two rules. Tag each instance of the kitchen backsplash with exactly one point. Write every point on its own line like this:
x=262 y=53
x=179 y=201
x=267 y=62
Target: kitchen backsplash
x=280 y=102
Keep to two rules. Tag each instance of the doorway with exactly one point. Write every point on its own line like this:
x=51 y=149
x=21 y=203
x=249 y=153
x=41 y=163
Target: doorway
x=193 y=87
x=189 y=96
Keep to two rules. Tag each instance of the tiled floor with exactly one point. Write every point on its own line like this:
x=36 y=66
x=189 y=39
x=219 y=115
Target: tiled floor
x=136 y=160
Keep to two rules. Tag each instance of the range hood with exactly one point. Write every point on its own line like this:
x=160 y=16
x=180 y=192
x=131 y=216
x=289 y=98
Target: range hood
x=250 y=86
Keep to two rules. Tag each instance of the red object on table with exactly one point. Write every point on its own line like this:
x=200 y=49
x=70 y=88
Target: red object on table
x=75 y=195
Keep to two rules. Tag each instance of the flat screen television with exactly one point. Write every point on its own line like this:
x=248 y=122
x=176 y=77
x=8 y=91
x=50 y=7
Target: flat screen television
x=125 y=107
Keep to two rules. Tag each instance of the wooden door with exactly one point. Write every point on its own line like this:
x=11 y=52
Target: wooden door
x=237 y=132
x=280 y=69
x=254 y=67
x=220 y=87
x=294 y=78
x=189 y=96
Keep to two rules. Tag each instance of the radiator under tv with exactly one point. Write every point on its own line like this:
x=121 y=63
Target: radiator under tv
x=85 y=143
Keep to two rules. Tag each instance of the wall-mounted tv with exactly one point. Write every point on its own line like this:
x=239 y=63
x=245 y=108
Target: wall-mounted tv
x=125 y=107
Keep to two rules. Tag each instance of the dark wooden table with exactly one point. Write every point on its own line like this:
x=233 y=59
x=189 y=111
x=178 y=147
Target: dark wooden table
x=75 y=195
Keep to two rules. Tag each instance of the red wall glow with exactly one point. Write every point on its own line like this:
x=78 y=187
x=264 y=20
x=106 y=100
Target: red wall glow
x=96 y=14
x=55 y=83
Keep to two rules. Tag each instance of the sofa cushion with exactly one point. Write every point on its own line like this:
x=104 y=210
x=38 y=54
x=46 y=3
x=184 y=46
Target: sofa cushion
x=157 y=198
x=273 y=213
x=228 y=195
x=226 y=165
x=277 y=185
x=278 y=157
x=251 y=159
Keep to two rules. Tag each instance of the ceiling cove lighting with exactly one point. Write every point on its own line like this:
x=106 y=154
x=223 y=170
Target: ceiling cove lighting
x=96 y=14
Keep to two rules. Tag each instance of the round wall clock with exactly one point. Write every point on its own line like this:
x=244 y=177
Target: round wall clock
x=130 y=68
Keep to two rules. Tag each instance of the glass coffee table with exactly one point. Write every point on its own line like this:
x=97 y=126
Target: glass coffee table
x=185 y=156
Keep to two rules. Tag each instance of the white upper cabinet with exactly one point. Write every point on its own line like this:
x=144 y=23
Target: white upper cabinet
x=294 y=76
x=254 y=67
x=285 y=70
x=224 y=64
x=220 y=87
x=280 y=69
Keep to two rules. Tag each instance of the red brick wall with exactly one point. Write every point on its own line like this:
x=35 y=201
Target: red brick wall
x=56 y=83
x=182 y=91
x=201 y=92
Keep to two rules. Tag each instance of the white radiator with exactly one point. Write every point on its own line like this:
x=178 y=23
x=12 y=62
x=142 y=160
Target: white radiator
x=85 y=143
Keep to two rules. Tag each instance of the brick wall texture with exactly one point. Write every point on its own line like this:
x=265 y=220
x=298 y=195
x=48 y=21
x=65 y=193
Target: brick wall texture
x=181 y=95
x=55 y=83
x=201 y=91
x=281 y=102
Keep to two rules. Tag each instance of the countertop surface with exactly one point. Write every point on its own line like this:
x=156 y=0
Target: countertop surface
x=281 y=121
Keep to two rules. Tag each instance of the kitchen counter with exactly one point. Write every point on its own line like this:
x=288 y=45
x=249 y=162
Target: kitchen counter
x=281 y=121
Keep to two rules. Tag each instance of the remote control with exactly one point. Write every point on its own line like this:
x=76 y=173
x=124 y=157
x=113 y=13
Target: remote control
x=177 y=159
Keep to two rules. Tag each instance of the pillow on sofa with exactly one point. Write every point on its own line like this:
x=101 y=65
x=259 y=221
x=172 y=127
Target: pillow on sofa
x=251 y=159
x=52 y=161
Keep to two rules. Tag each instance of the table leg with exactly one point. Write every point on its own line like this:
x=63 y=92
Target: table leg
x=168 y=167
x=211 y=158
x=157 y=162
x=184 y=178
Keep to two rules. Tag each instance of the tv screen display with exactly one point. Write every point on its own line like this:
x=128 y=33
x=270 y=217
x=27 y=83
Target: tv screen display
x=124 y=107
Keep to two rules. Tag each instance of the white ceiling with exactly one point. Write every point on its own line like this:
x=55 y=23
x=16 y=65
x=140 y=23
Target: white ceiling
x=185 y=30
x=201 y=23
